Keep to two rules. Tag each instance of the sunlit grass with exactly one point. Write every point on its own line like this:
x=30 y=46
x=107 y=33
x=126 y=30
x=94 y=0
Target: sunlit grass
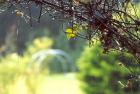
x=52 y=84
x=60 y=84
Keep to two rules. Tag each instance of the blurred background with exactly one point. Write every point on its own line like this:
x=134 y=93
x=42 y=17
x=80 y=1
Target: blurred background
x=40 y=59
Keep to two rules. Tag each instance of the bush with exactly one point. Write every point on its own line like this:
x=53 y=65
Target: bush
x=9 y=74
x=100 y=73
x=39 y=44
x=15 y=69
x=14 y=73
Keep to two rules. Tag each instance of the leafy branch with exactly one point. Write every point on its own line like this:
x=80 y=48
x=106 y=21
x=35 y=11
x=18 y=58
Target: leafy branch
x=114 y=22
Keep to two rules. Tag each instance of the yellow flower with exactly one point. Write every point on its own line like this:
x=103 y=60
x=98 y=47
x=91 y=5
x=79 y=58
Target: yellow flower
x=70 y=33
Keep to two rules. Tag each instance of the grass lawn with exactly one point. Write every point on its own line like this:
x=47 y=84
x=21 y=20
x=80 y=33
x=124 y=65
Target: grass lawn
x=60 y=84
x=52 y=84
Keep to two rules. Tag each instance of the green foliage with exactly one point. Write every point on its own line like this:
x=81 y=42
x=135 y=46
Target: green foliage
x=35 y=46
x=15 y=69
x=13 y=74
x=39 y=44
x=138 y=11
x=99 y=73
x=17 y=76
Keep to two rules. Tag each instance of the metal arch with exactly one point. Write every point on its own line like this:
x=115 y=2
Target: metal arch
x=38 y=57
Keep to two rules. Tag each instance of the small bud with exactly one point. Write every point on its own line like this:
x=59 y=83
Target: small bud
x=19 y=13
x=120 y=64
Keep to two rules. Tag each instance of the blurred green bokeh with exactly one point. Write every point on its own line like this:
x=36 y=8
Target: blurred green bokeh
x=17 y=76
x=102 y=73
x=96 y=73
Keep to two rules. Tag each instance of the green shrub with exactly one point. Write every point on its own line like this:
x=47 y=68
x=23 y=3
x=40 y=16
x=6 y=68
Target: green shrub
x=13 y=72
x=15 y=69
x=99 y=73
x=39 y=44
